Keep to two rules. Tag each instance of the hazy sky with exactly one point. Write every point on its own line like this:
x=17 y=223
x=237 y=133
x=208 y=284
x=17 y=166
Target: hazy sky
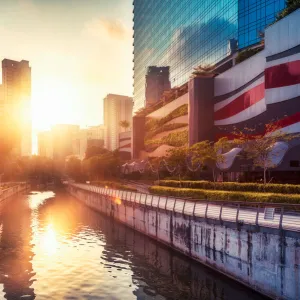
x=79 y=51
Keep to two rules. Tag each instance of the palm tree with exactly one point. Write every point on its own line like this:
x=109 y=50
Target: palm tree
x=124 y=124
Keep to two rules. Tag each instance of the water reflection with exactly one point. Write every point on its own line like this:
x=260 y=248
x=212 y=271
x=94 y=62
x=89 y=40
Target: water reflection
x=52 y=247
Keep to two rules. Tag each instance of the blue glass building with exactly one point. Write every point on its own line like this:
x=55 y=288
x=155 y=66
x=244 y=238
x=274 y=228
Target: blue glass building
x=253 y=17
x=183 y=34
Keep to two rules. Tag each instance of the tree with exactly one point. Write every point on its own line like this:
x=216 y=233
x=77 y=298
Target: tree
x=155 y=165
x=176 y=160
x=94 y=151
x=264 y=149
x=124 y=124
x=73 y=168
x=291 y=5
x=102 y=165
x=207 y=153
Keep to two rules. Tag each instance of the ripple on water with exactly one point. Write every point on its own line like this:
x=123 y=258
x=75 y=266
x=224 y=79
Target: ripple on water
x=52 y=247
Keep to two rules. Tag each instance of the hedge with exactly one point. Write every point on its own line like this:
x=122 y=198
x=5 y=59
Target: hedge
x=234 y=186
x=225 y=195
x=175 y=139
x=114 y=185
x=152 y=124
x=166 y=127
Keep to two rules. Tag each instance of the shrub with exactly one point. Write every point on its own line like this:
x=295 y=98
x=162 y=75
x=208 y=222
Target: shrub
x=225 y=195
x=235 y=186
x=166 y=127
x=113 y=185
x=291 y=6
x=247 y=53
x=175 y=139
x=178 y=112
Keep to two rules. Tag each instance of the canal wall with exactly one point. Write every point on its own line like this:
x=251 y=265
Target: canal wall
x=5 y=194
x=265 y=259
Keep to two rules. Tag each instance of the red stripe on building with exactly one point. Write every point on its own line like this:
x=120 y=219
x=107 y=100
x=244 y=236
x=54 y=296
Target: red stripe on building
x=280 y=124
x=283 y=75
x=125 y=146
x=241 y=103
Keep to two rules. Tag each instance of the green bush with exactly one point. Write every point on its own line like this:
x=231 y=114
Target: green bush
x=153 y=124
x=235 y=186
x=175 y=139
x=178 y=112
x=225 y=195
x=291 y=6
x=247 y=53
x=113 y=185
x=166 y=127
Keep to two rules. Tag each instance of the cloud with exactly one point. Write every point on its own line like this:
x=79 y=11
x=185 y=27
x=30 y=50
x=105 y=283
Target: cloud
x=105 y=27
x=207 y=37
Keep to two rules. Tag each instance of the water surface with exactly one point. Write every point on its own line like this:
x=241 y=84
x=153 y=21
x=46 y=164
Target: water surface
x=53 y=247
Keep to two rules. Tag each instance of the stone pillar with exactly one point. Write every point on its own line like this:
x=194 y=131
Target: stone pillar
x=138 y=135
x=201 y=109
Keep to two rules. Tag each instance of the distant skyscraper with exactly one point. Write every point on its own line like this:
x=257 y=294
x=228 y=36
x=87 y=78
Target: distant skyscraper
x=62 y=138
x=116 y=108
x=92 y=136
x=16 y=102
x=157 y=81
x=45 y=145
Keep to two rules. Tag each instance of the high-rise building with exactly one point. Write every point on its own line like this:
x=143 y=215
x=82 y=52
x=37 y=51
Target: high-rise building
x=117 y=108
x=1 y=102
x=157 y=82
x=62 y=139
x=45 y=144
x=253 y=17
x=16 y=102
x=184 y=34
x=87 y=137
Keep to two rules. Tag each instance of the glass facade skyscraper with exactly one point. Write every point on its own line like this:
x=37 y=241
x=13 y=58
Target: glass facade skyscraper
x=254 y=16
x=183 y=34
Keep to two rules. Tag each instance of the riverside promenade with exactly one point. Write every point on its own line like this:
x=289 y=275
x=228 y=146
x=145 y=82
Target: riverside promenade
x=253 y=243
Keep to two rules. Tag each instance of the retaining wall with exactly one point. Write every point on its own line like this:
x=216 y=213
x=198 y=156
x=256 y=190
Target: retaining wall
x=265 y=259
x=18 y=188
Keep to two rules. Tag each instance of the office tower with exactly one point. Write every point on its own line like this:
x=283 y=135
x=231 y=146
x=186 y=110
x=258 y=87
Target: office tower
x=157 y=82
x=45 y=145
x=117 y=108
x=16 y=103
x=62 y=139
x=88 y=137
x=184 y=34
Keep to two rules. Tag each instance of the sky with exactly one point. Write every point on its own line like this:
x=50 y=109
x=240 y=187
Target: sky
x=79 y=51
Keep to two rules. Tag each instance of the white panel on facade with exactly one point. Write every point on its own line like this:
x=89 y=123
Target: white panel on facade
x=240 y=74
x=283 y=35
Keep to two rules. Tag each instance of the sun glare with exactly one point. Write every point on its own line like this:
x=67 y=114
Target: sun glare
x=53 y=103
x=49 y=241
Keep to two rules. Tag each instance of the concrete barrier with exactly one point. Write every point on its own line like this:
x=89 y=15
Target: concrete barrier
x=263 y=258
x=13 y=190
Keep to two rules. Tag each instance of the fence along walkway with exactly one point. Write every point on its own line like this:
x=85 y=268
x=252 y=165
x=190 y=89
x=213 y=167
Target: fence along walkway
x=239 y=212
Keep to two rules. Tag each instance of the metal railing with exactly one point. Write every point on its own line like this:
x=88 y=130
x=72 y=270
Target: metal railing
x=285 y=216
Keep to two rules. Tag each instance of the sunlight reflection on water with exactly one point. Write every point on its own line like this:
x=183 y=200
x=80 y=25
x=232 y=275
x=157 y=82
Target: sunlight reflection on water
x=53 y=247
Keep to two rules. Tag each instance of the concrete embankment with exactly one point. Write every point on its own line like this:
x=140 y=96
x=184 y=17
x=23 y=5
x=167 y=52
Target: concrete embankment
x=265 y=259
x=15 y=189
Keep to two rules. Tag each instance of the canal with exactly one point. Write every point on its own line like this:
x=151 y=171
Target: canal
x=53 y=247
